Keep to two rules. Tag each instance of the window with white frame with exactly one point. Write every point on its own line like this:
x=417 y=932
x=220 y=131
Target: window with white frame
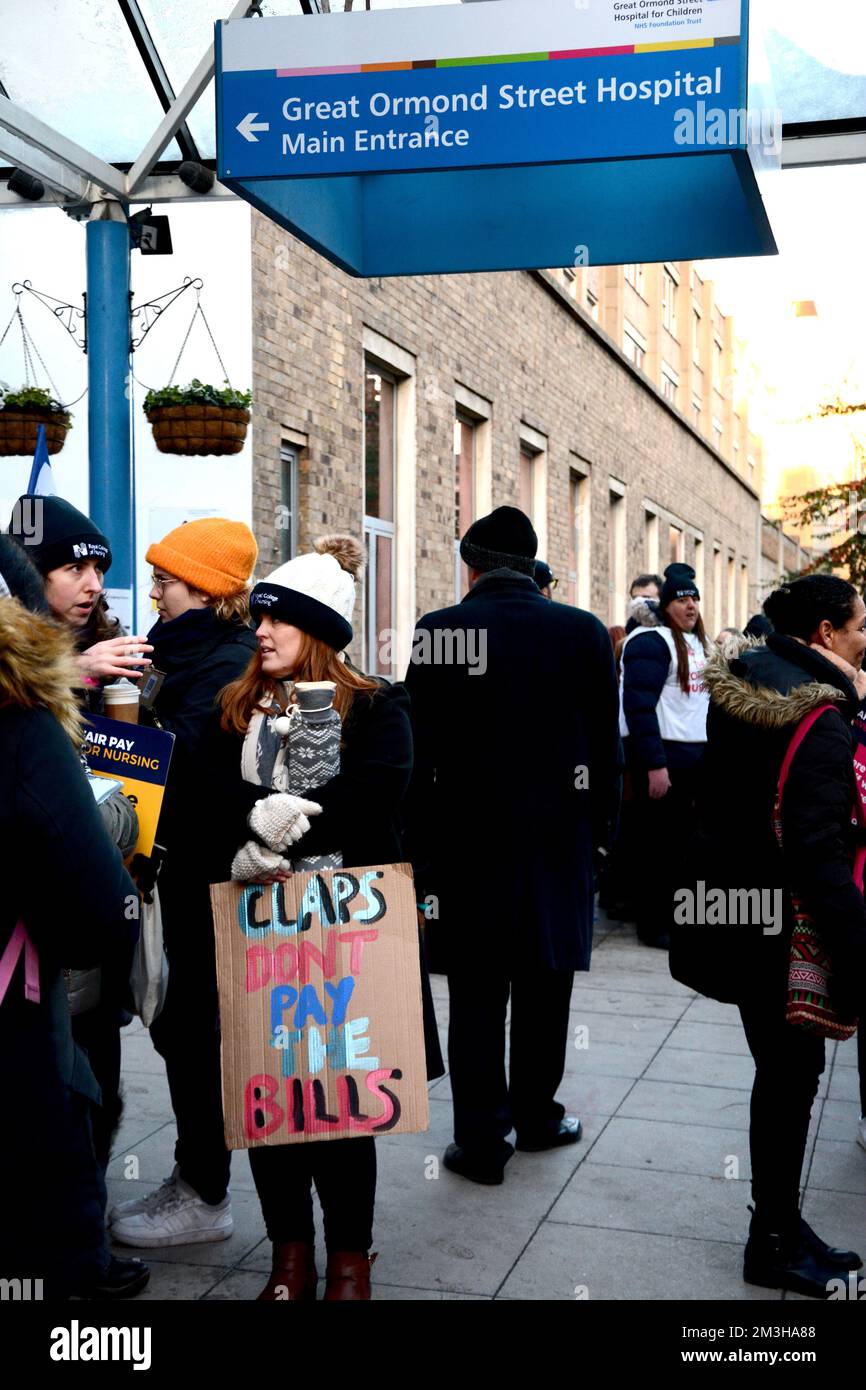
x=670 y=383
x=696 y=336
x=718 y=351
x=676 y=544
x=651 y=528
x=732 y=592
x=380 y=477
x=634 y=344
x=634 y=276
x=744 y=595
x=526 y=479
x=669 y=301
x=699 y=565
x=464 y=493
x=579 y=539
x=696 y=412
x=592 y=305
x=718 y=432
x=616 y=531
x=287 y=523
x=532 y=482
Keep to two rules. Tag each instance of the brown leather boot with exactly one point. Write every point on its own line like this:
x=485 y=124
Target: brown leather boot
x=293 y=1277
x=348 y=1276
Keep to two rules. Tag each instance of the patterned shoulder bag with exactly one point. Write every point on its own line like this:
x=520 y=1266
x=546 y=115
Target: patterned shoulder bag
x=810 y=972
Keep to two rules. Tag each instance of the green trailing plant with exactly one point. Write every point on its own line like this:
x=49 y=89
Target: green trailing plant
x=198 y=393
x=31 y=398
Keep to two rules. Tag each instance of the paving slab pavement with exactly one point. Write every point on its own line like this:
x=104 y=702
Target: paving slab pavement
x=651 y=1204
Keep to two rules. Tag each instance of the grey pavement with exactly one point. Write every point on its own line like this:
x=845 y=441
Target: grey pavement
x=651 y=1204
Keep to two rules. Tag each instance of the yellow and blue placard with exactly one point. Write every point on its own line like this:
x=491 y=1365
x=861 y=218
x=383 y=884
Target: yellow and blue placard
x=137 y=756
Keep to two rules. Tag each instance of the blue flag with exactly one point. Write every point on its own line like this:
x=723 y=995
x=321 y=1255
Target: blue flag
x=41 y=482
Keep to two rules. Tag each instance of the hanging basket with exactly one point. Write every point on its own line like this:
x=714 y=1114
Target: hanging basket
x=198 y=429
x=19 y=430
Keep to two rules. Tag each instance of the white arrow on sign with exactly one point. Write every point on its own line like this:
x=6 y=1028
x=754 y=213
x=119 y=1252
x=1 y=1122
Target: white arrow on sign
x=249 y=124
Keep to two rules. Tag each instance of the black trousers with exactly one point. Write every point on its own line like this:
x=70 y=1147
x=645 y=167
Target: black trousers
x=789 y=1062
x=53 y=1227
x=486 y=1105
x=657 y=824
x=98 y=1032
x=344 y=1172
x=186 y=1035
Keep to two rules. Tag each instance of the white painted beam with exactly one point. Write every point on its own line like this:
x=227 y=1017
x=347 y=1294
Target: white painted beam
x=160 y=188
x=17 y=152
x=50 y=142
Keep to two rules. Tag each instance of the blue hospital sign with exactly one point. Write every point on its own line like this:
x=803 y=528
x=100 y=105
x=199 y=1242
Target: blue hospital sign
x=481 y=95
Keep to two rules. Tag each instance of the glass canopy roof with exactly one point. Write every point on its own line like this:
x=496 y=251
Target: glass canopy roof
x=91 y=68
x=75 y=65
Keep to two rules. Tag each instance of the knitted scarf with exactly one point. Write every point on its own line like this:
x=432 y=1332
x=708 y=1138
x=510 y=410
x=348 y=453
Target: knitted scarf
x=296 y=752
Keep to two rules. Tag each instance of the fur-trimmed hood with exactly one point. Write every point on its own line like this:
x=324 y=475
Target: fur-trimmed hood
x=736 y=686
x=645 y=614
x=37 y=666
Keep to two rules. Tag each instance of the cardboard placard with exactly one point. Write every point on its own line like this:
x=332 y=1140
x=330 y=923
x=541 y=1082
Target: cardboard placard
x=137 y=756
x=320 y=1007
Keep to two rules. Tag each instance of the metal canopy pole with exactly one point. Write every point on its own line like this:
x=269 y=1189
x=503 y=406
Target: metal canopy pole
x=109 y=416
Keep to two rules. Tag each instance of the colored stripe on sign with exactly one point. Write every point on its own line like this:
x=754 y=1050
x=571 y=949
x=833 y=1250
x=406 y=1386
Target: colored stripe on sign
x=317 y=72
x=670 y=47
x=490 y=59
x=592 y=52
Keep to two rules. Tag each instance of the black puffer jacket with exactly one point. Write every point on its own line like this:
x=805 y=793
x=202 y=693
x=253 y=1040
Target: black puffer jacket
x=757 y=701
x=198 y=654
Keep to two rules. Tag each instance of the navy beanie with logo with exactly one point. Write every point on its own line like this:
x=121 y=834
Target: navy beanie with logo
x=54 y=533
x=679 y=583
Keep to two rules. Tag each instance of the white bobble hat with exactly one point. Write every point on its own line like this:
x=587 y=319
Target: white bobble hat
x=315 y=592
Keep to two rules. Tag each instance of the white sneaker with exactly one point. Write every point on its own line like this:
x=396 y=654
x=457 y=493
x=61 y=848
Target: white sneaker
x=861 y=1132
x=173 y=1215
x=143 y=1204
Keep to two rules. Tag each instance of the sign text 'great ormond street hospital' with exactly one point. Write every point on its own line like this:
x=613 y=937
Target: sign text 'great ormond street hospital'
x=297 y=107
x=502 y=134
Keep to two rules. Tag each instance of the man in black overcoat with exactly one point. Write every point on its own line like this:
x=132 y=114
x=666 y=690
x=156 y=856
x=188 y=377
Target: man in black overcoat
x=515 y=789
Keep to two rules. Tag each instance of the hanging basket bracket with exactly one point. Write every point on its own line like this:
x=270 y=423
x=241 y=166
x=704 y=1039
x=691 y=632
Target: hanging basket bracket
x=73 y=317
x=149 y=312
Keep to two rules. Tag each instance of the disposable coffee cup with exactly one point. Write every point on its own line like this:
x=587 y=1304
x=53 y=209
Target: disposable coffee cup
x=121 y=701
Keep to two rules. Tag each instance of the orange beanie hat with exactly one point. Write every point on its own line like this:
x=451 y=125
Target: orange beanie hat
x=212 y=554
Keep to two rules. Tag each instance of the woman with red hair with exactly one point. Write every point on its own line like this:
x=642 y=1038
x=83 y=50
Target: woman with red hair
x=302 y=613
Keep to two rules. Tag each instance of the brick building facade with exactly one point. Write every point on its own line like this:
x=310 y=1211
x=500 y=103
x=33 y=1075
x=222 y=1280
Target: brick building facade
x=407 y=407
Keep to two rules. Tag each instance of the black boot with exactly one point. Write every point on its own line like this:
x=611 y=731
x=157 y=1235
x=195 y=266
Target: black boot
x=784 y=1258
x=117 y=1279
x=829 y=1254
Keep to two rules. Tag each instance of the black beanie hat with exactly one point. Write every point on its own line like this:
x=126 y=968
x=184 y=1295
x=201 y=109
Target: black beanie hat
x=503 y=540
x=543 y=574
x=758 y=626
x=54 y=533
x=679 y=583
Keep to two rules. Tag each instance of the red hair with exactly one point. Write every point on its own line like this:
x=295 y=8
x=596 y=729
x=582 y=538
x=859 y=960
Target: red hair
x=254 y=691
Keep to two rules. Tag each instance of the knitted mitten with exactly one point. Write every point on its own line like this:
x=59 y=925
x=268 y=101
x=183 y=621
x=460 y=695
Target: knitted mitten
x=314 y=754
x=280 y=819
x=254 y=861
